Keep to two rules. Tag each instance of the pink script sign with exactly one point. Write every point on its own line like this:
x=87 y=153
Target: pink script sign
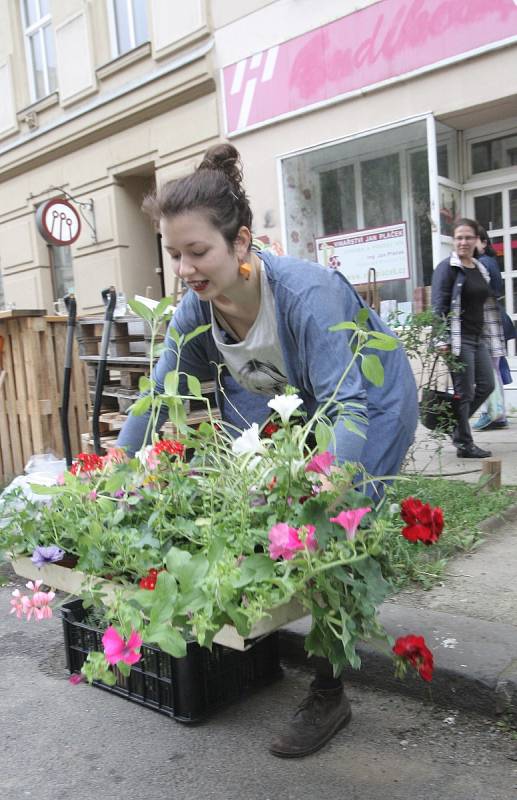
x=382 y=41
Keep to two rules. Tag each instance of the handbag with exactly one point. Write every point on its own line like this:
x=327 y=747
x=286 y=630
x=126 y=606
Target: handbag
x=438 y=408
x=504 y=371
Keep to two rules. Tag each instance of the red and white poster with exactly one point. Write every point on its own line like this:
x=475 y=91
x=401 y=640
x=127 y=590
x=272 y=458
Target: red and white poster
x=354 y=254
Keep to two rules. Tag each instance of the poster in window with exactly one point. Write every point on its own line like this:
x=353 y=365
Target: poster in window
x=355 y=253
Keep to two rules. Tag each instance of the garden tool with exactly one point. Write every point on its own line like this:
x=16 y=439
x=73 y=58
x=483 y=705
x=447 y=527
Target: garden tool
x=2 y=370
x=109 y=297
x=71 y=307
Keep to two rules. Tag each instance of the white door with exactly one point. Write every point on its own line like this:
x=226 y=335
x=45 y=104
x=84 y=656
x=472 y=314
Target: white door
x=496 y=210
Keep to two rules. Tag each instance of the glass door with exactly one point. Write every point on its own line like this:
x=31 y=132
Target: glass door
x=496 y=210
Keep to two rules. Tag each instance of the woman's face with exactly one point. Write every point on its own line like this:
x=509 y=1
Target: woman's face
x=200 y=254
x=465 y=241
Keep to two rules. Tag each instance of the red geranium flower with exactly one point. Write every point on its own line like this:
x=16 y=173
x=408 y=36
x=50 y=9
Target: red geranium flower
x=413 y=649
x=86 y=463
x=169 y=446
x=270 y=428
x=424 y=524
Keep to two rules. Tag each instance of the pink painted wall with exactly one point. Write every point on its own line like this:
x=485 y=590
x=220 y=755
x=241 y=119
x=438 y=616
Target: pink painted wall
x=388 y=39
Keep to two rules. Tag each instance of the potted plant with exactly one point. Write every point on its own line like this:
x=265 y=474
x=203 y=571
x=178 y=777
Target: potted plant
x=175 y=549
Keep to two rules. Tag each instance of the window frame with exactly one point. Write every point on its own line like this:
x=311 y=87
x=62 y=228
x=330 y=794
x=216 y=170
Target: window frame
x=113 y=31
x=38 y=27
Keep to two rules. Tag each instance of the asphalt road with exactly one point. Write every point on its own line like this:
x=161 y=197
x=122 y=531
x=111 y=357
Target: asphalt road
x=64 y=742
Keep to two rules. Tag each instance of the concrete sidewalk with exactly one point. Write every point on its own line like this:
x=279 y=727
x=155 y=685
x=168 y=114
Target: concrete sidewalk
x=469 y=619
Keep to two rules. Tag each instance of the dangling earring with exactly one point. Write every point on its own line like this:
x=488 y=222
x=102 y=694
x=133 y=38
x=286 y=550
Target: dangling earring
x=245 y=270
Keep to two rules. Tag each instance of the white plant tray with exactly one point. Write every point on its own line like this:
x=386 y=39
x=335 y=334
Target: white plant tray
x=72 y=581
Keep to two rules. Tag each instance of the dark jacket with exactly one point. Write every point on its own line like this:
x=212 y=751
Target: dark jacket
x=447 y=286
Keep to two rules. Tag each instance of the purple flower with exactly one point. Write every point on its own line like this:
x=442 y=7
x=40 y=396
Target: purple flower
x=46 y=555
x=119 y=493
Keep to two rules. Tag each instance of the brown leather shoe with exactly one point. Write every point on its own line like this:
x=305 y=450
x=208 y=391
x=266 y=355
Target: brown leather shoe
x=322 y=714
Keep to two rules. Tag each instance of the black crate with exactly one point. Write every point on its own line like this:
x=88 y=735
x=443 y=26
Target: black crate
x=187 y=689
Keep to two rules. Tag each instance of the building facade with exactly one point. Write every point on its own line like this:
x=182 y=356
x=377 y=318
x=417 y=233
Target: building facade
x=365 y=127
x=101 y=99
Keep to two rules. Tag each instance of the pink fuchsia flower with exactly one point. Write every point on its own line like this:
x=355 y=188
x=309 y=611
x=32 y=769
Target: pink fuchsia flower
x=117 y=649
x=349 y=520
x=321 y=463
x=18 y=603
x=114 y=455
x=286 y=541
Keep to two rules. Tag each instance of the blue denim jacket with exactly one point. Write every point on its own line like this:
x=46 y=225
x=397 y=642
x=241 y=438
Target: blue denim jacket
x=309 y=299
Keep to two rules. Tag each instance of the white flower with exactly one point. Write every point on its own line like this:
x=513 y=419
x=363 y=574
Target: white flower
x=143 y=455
x=249 y=442
x=285 y=404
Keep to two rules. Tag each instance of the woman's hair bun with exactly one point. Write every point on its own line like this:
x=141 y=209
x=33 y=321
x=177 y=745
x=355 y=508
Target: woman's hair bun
x=224 y=158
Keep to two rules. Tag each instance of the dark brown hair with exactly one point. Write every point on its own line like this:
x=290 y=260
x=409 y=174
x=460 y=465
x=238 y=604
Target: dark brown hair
x=483 y=235
x=469 y=223
x=215 y=188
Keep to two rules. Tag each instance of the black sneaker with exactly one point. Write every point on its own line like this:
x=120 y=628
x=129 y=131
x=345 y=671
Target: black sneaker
x=321 y=715
x=473 y=452
x=496 y=425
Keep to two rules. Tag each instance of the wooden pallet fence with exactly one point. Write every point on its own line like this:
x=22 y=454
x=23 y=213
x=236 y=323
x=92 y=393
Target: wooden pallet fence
x=30 y=393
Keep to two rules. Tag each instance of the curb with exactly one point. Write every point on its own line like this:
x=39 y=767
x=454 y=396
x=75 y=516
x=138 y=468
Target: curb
x=475 y=660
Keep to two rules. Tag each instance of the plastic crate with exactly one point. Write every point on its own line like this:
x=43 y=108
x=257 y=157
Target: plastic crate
x=187 y=689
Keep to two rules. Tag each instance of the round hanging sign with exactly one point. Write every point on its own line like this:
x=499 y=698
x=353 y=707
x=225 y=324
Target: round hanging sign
x=58 y=221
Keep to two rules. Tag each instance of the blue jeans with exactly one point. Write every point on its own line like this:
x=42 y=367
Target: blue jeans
x=474 y=383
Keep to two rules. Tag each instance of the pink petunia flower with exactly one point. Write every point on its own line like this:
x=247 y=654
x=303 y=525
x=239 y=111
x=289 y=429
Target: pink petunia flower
x=321 y=463
x=286 y=541
x=76 y=678
x=117 y=649
x=349 y=520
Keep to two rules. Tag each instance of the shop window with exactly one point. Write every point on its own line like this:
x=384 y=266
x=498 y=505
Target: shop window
x=338 y=209
x=372 y=181
x=489 y=210
x=380 y=182
x=39 y=47
x=62 y=270
x=494 y=154
x=128 y=24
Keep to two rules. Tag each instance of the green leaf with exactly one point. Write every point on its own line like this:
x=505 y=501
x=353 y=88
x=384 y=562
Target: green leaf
x=141 y=406
x=124 y=668
x=176 y=559
x=372 y=369
x=175 y=335
x=37 y=488
x=362 y=317
x=323 y=436
x=352 y=427
x=145 y=384
x=171 y=382
x=200 y=329
x=142 y=310
x=162 y=306
x=194 y=386
x=257 y=567
x=389 y=343
x=169 y=639
x=193 y=572
x=343 y=326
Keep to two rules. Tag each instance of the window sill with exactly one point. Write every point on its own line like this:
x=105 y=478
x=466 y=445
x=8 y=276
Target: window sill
x=124 y=60
x=39 y=105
